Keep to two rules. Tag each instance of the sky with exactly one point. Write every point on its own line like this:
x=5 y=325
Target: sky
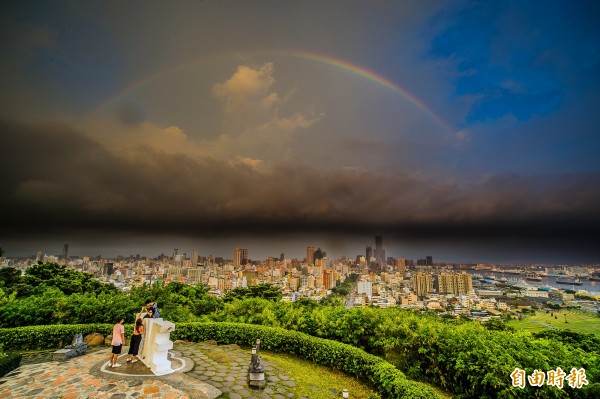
x=465 y=130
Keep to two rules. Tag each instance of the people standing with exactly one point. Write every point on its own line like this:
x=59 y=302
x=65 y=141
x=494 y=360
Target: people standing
x=150 y=304
x=149 y=314
x=136 y=338
x=117 y=342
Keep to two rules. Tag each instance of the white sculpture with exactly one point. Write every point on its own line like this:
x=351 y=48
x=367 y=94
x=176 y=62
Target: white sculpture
x=156 y=344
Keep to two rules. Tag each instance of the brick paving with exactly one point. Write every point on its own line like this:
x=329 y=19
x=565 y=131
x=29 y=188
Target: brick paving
x=206 y=371
x=226 y=368
x=74 y=379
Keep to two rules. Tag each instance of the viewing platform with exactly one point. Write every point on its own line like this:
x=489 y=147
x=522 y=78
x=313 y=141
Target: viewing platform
x=200 y=371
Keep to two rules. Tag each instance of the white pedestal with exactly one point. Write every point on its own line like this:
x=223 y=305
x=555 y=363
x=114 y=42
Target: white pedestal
x=156 y=345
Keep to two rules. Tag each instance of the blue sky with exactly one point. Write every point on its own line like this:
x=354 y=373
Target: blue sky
x=201 y=120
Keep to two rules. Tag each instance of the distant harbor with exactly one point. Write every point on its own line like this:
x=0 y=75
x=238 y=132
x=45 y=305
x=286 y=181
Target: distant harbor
x=542 y=281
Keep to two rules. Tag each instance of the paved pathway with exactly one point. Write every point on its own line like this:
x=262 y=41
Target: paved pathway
x=207 y=371
x=75 y=378
x=226 y=368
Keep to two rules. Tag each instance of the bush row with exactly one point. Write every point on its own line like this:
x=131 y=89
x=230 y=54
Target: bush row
x=389 y=381
x=461 y=357
x=47 y=337
x=9 y=362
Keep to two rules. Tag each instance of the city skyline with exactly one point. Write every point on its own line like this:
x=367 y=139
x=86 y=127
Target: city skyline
x=294 y=249
x=464 y=130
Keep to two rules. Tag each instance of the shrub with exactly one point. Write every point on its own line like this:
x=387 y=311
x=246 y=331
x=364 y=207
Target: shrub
x=9 y=362
x=47 y=337
x=388 y=380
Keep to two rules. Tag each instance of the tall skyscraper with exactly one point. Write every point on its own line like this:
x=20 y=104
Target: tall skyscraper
x=240 y=257
x=65 y=252
x=369 y=253
x=401 y=264
x=379 y=251
x=310 y=255
x=194 y=258
x=429 y=260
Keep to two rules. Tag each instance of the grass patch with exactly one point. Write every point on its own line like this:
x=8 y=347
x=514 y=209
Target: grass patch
x=317 y=381
x=576 y=320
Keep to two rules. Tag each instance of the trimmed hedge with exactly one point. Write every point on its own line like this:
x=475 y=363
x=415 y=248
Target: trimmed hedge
x=46 y=337
x=9 y=362
x=388 y=380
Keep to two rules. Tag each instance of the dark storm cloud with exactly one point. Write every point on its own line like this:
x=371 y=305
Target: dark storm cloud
x=54 y=178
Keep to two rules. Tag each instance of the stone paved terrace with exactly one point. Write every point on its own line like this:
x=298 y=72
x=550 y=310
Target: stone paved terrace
x=205 y=371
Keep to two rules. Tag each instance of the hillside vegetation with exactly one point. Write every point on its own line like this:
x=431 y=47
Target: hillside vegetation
x=462 y=357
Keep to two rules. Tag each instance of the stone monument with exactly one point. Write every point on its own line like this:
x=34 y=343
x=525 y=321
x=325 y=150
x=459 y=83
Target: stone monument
x=156 y=344
x=77 y=348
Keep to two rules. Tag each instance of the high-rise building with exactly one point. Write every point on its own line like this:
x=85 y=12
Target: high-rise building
x=174 y=270
x=379 y=251
x=401 y=264
x=429 y=260
x=195 y=275
x=310 y=255
x=369 y=253
x=455 y=284
x=328 y=279
x=422 y=283
x=65 y=252
x=240 y=257
x=364 y=287
x=194 y=258
x=39 y=257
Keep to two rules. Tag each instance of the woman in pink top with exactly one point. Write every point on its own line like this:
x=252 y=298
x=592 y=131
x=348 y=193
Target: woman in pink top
x=117 y=342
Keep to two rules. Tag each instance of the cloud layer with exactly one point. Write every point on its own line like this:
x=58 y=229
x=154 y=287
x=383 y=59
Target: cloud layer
x=56 y=177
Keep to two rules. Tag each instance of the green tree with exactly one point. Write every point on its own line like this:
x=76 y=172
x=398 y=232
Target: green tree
x=9 y=276
x=67 y=280
x=497 y=325
x=264 y=291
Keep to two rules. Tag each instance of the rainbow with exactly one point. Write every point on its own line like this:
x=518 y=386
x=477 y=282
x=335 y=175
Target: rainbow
x=305 y=55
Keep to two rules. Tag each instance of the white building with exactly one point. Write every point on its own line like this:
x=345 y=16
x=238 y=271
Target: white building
x=365 y=287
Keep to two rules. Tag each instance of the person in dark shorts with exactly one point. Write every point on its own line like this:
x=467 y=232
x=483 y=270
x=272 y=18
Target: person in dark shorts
x=136 y=338
x=117 y=342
